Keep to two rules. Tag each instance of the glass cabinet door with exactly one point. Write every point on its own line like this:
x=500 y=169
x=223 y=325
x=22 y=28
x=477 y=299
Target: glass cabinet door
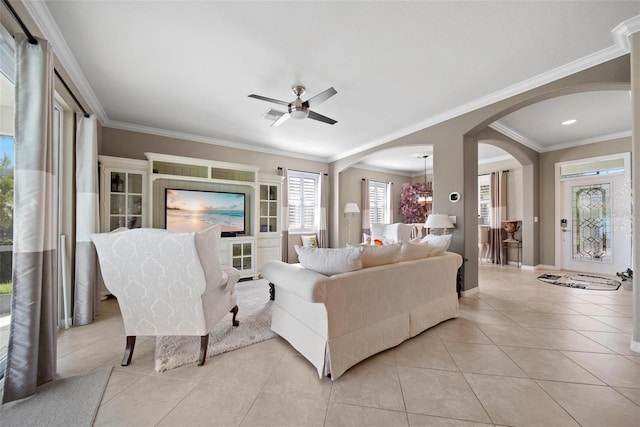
x=125 y=200
x=268 y=208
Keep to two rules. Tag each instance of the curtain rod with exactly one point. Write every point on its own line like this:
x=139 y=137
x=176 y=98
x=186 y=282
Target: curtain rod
x=33 y=40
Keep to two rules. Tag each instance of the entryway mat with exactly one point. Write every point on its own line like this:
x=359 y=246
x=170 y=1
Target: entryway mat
x=581 y=281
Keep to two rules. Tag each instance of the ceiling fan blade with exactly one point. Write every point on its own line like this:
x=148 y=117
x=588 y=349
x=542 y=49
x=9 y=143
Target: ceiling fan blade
x=319 y=98
x=281 y=120
x=264 y=98
x=315 y=116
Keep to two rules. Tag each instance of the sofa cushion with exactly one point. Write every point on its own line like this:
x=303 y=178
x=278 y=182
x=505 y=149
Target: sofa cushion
x=329 y=261
x=410 y=251
x=437 y=244
x=373 y=255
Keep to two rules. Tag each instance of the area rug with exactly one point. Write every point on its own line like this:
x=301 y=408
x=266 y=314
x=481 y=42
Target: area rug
x=72 y=401
x=254 y=314
x=581 y=281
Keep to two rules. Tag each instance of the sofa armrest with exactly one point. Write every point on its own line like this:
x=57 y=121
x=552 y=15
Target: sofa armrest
x=295 y=279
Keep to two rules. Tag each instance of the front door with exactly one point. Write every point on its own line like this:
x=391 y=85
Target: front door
x=595 y=231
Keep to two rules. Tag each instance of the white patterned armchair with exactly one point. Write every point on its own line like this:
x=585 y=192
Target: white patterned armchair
x=167 y=283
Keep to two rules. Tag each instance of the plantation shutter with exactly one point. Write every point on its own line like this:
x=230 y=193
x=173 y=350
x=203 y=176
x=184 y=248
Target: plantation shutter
x=378 y=201
x=309 y=200
x=303 y=202
x=295 y=190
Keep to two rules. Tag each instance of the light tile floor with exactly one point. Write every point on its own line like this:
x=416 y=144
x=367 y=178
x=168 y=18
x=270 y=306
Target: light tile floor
x=522 y=352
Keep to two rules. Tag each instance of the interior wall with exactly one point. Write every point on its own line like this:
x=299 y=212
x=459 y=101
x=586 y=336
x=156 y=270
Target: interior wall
x=133 y=145
x=548 y=162
x=351 y=191
x=514 y=184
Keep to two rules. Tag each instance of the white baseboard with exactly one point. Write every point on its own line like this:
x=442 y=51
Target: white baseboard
x=635 y=346
x=544 y=267
x=470 y=292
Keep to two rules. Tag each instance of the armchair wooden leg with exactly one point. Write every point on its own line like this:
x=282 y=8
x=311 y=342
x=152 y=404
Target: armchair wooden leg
x=128 y=351
x=234 y=310
x=272 y=292
x=204 y=343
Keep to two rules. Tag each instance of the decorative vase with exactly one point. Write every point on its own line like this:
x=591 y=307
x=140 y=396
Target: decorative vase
x=511 y=227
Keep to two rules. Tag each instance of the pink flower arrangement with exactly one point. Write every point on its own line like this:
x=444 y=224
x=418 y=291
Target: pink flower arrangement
x=412 y=211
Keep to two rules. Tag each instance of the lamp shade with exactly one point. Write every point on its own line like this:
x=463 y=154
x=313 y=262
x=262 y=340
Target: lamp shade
x=351 y=208
x=438 y=221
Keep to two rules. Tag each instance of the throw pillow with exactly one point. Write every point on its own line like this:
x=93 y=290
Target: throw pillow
x=208 y=247
x=309 y=241
x=380 y=255
x=330 y=261
x=410 y=251
x=437 y=244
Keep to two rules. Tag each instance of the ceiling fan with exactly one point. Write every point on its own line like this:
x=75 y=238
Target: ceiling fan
x=298 y=109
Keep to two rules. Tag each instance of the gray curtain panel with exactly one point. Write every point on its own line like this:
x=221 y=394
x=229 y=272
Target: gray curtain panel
x=31 y=354
x=365 y=209
x=87 y=286
x=323 y=236
x=498 y=212
x=284 y=225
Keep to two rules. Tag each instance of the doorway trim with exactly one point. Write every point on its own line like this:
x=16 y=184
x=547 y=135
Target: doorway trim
x=626 y=156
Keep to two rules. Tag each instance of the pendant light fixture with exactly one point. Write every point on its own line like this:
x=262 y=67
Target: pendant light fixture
x=425 y=197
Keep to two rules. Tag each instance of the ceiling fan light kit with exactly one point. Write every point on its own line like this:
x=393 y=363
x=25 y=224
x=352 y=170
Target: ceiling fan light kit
x=297 y=109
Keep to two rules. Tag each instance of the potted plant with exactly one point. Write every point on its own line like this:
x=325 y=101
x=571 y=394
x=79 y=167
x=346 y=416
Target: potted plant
x=627 y=278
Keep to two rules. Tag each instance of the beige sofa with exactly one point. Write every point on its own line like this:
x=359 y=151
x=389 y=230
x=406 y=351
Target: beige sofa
x=337 y=321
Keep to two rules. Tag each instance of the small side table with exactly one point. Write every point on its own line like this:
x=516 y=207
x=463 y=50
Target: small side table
x=513 y=243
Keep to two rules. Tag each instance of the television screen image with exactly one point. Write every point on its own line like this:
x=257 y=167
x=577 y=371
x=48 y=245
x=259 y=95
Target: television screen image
x=192 y=210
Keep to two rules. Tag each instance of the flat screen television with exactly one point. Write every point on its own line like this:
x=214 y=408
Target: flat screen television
x=195 y=210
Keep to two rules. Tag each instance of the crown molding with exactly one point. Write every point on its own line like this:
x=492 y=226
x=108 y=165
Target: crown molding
x=496 y=159
x=593 y=140
x=213 y=141
x=622 y=32
x=507 y=131
x=47 y=26
x=620 y=36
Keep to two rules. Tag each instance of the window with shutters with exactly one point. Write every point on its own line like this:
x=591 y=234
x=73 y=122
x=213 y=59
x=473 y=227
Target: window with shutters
x=379 y=205
x=303 y=201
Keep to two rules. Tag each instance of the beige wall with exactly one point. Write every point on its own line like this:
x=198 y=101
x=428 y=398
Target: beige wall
x=455 y=145
x=351 y=191
x=514 y=184
x=133 y=145
x=547 y=186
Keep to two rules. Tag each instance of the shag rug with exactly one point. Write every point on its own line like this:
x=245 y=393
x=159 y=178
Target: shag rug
x=254 y=315
x=581 y=281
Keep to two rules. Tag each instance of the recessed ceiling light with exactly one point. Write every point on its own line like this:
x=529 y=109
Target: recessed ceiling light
x=569 y=122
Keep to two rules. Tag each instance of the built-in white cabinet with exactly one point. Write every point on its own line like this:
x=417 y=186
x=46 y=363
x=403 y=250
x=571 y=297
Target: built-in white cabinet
x=269 y=233
x=123 y=193
x=262 y=237
x=133 y=194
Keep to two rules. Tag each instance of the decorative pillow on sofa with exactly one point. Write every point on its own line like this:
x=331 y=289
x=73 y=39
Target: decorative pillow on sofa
x=329 y=261
x=410 y=251
x=437 y=244
x=309 y=241
x=373 y=255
